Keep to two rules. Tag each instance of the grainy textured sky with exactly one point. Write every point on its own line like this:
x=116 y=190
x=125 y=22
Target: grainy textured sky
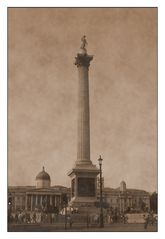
x=42 y=93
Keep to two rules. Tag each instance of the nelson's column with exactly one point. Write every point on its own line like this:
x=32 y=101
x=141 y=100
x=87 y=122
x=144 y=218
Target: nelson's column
x=84 y=173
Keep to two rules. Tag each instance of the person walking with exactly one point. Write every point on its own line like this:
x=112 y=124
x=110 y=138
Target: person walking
x=146 y=221
x=70 y=221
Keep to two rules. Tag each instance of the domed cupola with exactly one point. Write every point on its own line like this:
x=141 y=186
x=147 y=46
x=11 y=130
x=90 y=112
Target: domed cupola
x=43 y=179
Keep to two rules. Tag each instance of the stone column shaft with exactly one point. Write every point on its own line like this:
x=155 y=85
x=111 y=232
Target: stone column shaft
x=83 y=147
x=83 y=153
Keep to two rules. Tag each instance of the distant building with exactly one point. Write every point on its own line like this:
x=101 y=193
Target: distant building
x=49 y=198
x=43 y=196
x=124 y=199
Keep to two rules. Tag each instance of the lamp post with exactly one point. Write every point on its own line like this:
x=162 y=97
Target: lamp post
x=101 y=193
x=87 y=215
x=65 y=203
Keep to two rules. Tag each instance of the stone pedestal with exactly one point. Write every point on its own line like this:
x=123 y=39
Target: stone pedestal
x=84 y=173
x=83 y=186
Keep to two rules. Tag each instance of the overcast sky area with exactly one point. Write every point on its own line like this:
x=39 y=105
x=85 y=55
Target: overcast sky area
x=43 y=92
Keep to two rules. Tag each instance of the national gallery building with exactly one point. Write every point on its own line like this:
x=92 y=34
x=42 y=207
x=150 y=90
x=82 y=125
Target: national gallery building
x=43 y=196
x=49 y=198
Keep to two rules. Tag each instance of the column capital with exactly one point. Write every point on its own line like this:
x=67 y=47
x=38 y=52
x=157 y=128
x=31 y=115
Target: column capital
x=83 y=59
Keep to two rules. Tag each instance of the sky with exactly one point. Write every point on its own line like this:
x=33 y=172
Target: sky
x=43 y=93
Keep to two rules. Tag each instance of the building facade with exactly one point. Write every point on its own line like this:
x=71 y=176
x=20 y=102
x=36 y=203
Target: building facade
x=43 y=196
x=124 y=199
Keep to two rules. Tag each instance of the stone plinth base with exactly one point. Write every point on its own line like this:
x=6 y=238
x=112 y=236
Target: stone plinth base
x=83 y=186
x=84 y=207
x=82 y=202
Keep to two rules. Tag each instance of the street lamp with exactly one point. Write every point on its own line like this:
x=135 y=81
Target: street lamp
x=101 y=193
x=65 y=203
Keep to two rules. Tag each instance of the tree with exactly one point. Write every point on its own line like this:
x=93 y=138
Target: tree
x=64 y=199
x=142 y=205
x=153 y=202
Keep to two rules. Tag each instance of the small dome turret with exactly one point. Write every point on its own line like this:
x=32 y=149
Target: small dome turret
x=122 y=186
x=43 y=179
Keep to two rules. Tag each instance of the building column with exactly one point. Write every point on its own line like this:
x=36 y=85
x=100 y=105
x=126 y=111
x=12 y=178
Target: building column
x=120 y=203
x=55 y=200
x=31 y=202
x=36 y=200
x=51 y=200
x=131 y=202
x=26 y=200
x=15 y=203
x=46 y=201
x=76 y=187
x=41 y=200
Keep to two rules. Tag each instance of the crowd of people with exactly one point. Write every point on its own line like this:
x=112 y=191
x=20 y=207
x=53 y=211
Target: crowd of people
x=22 y=216
x=39 y=216
x=118 y=218
x=150 y=219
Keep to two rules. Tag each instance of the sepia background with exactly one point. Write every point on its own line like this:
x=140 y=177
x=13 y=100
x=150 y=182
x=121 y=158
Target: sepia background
x=42 y=93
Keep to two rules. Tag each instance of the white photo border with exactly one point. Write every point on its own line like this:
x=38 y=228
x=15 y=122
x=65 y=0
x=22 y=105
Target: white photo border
x=4 y=4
